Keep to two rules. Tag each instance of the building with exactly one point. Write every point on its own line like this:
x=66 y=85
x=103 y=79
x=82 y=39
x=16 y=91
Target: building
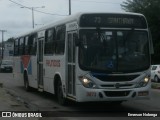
x=8 y=50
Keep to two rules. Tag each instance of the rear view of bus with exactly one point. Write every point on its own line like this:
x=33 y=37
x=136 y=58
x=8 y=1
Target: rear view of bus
x=113 y=58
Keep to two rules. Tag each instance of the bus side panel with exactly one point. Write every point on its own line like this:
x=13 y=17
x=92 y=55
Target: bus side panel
x=48 y=74
x=32 y=72
x=53 y=65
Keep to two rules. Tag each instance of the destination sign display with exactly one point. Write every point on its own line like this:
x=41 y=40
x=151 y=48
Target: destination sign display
x=113 y=21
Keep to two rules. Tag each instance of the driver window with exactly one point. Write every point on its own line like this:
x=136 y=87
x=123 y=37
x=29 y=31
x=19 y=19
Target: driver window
x=84 y=41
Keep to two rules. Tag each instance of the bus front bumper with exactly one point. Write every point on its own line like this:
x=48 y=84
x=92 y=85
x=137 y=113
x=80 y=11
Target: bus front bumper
x=87 y=95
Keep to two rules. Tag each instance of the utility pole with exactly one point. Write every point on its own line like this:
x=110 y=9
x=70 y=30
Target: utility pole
x=69 y=7
x=2 y=41
x=32 y=18
x=33 y=8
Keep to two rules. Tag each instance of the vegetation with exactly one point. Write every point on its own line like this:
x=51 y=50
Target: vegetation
x=10 y=40
x=151 y=9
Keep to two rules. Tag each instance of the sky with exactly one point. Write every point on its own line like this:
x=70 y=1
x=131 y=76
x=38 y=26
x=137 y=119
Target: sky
x=16 y=20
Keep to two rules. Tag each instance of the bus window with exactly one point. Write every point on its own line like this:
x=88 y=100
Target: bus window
x=16 y=47
x=26 y=46
x=49 y=42
x=21 y=46
x=60 y=40
x=32 y=44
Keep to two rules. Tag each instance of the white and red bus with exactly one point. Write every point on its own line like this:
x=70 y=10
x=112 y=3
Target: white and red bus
x=87 y=57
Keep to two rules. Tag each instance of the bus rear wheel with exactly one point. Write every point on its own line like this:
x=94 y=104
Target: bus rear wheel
x=26 y=83
x=60 y=96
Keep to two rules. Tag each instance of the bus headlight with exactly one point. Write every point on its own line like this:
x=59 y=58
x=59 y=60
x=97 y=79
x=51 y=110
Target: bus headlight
x=86 y=82
x=143 y=82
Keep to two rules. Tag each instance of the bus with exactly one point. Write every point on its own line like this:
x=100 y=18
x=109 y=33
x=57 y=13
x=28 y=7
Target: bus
x=87 y=57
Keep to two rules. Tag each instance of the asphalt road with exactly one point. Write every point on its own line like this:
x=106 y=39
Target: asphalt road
x=37 y=101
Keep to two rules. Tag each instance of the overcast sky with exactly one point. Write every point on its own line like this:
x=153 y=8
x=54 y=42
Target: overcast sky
x=18 y=20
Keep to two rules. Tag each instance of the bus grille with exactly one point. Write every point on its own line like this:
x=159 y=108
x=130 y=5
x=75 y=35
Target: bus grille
x=107 y=78
x=120 y=86
x=117 y=93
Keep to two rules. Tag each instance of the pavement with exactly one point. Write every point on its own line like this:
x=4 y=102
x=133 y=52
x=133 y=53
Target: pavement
x=8 y=103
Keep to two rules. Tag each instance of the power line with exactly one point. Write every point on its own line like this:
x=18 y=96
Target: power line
x=35 y=10
x=49 y=13
x=95 y=2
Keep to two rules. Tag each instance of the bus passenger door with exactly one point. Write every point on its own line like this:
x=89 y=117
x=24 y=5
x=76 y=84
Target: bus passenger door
x=40 y=49
x=71 y=63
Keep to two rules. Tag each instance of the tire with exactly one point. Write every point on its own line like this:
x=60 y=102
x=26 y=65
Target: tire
x=26 y=83
x=156 y=79
x=60 y=96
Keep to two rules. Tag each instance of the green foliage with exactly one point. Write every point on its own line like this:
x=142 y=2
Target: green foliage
x=151 y=10
x=10 y=40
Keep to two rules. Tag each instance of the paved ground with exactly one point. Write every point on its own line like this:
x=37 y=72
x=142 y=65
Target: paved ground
x=8 y=103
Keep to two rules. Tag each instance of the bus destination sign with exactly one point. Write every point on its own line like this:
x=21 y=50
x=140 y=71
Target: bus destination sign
x=123 y=21
x=113 y=21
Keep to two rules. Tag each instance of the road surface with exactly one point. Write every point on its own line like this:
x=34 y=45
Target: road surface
x=37 y=101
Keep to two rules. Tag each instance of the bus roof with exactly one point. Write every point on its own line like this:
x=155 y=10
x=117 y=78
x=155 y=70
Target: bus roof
x=71 y=18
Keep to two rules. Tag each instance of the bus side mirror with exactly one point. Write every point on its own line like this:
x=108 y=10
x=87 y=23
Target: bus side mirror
x=151 y=43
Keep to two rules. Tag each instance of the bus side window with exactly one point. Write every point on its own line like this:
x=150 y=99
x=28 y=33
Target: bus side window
x=32 y=44
x=60 y=39
x=16 y=47
x=21 y=46
x=49 y=41
x=26 y=46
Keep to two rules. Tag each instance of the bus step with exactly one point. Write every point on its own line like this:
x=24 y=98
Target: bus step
x=40 y=88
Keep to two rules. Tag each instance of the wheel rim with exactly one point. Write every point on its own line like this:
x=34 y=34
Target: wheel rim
x=156 y=79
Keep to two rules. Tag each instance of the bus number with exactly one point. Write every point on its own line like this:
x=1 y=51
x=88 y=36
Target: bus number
x=97 y=20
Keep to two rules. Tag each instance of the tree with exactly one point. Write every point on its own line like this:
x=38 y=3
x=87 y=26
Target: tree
x=10 y=40
x=151 y=10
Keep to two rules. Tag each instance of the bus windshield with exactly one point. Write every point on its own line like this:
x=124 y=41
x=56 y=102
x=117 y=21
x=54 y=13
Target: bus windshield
x=114 y=50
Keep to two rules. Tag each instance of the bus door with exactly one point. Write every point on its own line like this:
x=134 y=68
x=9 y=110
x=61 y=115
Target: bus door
x=40 y=49
x=71 y=63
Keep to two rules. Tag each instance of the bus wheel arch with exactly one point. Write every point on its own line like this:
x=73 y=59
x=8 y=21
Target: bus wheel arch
x=58 y=90
x=26 y=82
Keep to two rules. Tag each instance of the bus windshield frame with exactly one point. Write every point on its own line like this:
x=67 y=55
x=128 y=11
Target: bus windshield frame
x=114 y=51
x=113 y=20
